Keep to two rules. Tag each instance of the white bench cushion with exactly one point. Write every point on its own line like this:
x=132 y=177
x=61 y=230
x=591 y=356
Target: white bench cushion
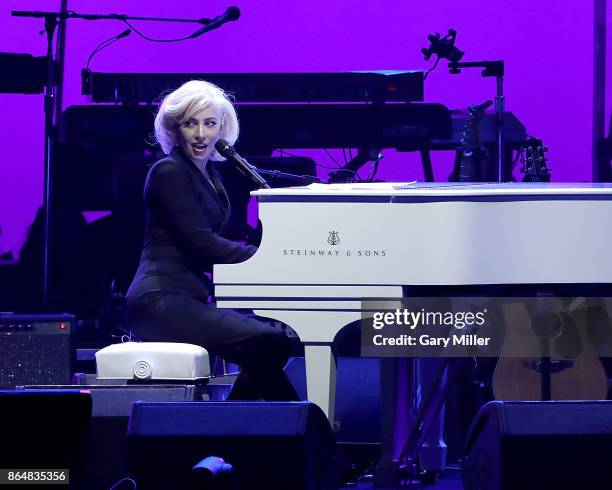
x=153 y=361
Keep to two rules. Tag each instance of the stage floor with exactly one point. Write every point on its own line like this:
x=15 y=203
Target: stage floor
x=449 y=479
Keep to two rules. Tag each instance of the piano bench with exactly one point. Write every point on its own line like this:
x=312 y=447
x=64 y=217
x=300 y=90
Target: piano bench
x=153 y=362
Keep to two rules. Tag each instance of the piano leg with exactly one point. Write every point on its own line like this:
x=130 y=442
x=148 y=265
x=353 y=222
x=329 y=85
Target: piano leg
x=321 y=377
x=317 y=330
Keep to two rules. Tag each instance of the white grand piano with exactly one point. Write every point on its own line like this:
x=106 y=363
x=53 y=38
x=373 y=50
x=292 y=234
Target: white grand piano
x=325 y=247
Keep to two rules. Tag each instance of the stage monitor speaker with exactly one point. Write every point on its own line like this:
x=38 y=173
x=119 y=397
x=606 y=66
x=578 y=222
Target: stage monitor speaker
x=271 y=445
x=540 y=445
x=35 y=350
x=45 y=430
x=106 y=453
x=357 y=419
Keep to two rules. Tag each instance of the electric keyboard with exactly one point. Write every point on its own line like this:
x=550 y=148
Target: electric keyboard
x=360 y=86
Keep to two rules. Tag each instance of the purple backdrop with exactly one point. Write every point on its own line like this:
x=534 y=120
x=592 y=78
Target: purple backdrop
x=547 y=46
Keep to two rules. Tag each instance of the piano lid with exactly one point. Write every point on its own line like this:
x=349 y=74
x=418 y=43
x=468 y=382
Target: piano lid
x=394 y=190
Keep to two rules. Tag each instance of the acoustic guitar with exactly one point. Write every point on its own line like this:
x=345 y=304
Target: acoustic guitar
x=549 y=352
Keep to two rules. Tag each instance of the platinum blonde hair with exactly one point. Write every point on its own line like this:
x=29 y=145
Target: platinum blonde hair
x=187 y=100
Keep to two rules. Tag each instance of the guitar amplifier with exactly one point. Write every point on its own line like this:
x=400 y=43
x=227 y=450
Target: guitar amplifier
x=35 y=350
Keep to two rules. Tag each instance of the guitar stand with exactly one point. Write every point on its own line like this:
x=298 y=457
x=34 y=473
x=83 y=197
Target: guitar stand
x=431 y=406
x=491 y=69
x=401 y=447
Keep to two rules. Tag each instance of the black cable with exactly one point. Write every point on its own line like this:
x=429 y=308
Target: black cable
x=374 y=170
x=355 y=175
x=435 y=65
x=284 y=152
x=106 y=43
x=152 y=39
x=144 y=36
x=331 y=156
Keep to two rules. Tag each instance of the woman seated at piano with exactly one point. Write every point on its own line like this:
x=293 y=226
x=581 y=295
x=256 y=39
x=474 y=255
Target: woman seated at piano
x=187 y=209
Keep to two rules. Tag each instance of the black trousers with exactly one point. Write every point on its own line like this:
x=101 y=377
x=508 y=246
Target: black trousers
x=258 y=348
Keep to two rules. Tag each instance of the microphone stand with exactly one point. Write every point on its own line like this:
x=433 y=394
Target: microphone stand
x=51 y=23
x=60 y=59
x=52 y=88
x=74 y=15
x=491 y=69
x=277 y=174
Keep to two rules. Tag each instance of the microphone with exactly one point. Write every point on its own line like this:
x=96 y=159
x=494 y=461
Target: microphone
x=106 y=43
x=226 y=150
x=230 y=14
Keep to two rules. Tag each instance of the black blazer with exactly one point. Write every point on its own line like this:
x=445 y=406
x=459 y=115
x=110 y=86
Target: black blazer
x=184 y=224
